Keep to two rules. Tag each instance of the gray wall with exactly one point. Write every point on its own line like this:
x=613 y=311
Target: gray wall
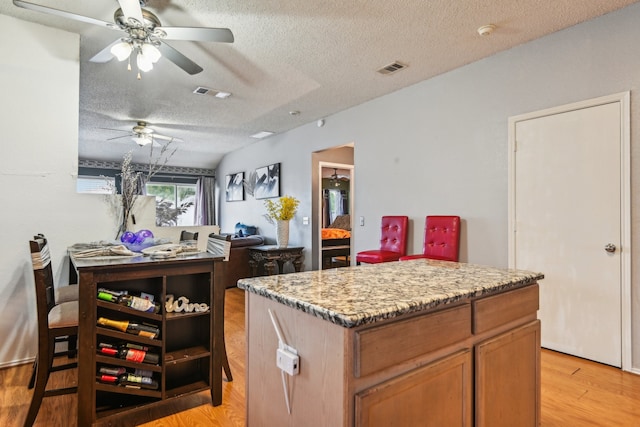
x=440 y=146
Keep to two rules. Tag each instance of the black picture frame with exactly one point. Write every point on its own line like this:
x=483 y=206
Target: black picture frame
x=234 y=187
x=267 y=183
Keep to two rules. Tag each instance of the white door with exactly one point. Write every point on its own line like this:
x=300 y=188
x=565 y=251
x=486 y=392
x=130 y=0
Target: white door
x=567 y=201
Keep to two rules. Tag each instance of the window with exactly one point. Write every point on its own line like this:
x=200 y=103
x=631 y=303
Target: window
x=95 y=184
x=175 y=203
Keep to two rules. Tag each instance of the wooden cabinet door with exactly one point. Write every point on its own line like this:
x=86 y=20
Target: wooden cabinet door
x=508 y=378
x=437 y=394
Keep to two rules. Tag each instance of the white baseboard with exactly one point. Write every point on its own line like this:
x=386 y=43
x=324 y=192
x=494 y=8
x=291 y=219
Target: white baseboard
x=19 y=362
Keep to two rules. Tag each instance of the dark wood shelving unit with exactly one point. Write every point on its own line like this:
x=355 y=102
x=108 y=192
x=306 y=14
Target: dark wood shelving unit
x=189 y=361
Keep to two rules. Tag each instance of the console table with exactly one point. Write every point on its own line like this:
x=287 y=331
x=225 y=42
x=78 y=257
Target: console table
x=190 y=345
x=275 y=259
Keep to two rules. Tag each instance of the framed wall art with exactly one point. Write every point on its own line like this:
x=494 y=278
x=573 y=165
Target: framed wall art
x=234 y=187
x=267 y=182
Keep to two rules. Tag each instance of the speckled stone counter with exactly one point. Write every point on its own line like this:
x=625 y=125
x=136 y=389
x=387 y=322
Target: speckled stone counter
x=365 y=294
x=417 y=342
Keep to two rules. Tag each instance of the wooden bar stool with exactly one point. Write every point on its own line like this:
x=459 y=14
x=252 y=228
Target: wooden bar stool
x=55 y=322
x=221 y=246
x=63 y=293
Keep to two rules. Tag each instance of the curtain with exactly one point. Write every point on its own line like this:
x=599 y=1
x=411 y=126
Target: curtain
x=141 y=188
x=205 y=209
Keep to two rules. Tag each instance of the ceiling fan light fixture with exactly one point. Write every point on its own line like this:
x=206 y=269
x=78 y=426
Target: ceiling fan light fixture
x=144 y=63
x=121 y=50
x=141 y=140
x=151 y=52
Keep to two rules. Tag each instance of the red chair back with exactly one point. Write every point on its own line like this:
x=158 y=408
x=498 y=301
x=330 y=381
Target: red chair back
x=393 y=236
x=393 y=242
x=442 y=237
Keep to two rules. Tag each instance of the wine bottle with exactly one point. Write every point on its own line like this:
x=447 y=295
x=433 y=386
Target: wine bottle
x=130 y=352
x=129 y=380
x=143 y=330
x=134 y=302
x=114 y=371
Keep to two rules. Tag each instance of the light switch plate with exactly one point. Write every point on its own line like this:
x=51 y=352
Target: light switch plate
x=361 y=221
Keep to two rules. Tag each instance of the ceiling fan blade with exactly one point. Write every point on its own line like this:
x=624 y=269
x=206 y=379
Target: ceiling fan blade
x=165 y=138
x=179 y=59
x=64 y=14
x=105 y=54
x=117 y=130
x=131 y=9
x=118 y=137
x=222 y=35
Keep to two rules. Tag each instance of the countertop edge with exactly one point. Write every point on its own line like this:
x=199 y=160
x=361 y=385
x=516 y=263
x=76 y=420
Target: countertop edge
x=364 y=318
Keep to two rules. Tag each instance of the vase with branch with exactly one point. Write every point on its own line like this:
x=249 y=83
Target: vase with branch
x=132 y=184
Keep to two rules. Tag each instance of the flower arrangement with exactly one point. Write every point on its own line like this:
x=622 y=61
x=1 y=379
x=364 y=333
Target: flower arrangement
x=281 y=210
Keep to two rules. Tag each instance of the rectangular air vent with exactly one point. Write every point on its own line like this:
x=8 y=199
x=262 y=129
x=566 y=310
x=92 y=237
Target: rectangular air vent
x=392 y=68
x=213 y=92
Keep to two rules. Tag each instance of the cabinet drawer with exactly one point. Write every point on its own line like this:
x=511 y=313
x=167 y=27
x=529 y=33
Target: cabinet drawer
x=496 y=310
x=388 y=345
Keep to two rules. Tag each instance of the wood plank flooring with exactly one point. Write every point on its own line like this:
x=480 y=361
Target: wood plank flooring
x=575 y=392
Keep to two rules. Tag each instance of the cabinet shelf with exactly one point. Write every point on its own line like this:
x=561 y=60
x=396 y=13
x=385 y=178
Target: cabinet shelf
x=123 y=336
x=128 y=311
x=179 y=316
x=185 y=355
x=115 y=405
x=128 y=390
x=126 y=364
x=192 y=387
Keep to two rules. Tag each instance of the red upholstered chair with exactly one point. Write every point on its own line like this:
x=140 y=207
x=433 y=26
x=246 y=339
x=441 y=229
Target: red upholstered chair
x=441 y=239
x=393 y=242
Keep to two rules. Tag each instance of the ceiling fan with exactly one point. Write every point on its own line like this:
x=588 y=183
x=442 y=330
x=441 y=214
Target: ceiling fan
x=335 y=178
x=142 y=134
x=144 y=35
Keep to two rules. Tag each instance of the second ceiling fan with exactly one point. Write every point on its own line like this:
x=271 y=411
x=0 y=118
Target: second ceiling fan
x=144 y=35
x=143 y=135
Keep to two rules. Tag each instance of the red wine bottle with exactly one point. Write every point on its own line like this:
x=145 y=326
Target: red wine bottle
x=130 y=352
x=129 y=380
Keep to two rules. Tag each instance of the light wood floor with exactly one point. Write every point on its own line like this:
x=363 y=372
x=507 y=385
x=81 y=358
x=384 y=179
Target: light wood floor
x=575 y=392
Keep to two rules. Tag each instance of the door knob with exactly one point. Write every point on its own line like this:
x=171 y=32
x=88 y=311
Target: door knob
x=610 y=247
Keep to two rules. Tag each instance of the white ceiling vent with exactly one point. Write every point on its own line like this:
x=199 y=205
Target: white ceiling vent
x=392 y=68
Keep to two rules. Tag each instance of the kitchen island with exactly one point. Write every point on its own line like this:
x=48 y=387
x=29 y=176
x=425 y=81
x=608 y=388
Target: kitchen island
x=409 y=343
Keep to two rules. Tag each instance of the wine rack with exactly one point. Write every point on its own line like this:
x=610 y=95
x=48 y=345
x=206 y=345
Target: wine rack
x=186 y=344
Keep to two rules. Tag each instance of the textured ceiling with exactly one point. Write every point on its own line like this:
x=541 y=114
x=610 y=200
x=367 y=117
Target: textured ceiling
x=317 y=57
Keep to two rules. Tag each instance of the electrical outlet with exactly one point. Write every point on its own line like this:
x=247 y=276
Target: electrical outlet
x=305 y=220
x=287 y=359
x=361 y=221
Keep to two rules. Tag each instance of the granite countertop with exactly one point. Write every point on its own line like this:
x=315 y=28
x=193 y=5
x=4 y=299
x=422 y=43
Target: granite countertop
x=354 y=296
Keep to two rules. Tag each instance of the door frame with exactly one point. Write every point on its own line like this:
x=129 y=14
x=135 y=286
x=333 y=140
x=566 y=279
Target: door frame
x=318 y=214
x=623 y=98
